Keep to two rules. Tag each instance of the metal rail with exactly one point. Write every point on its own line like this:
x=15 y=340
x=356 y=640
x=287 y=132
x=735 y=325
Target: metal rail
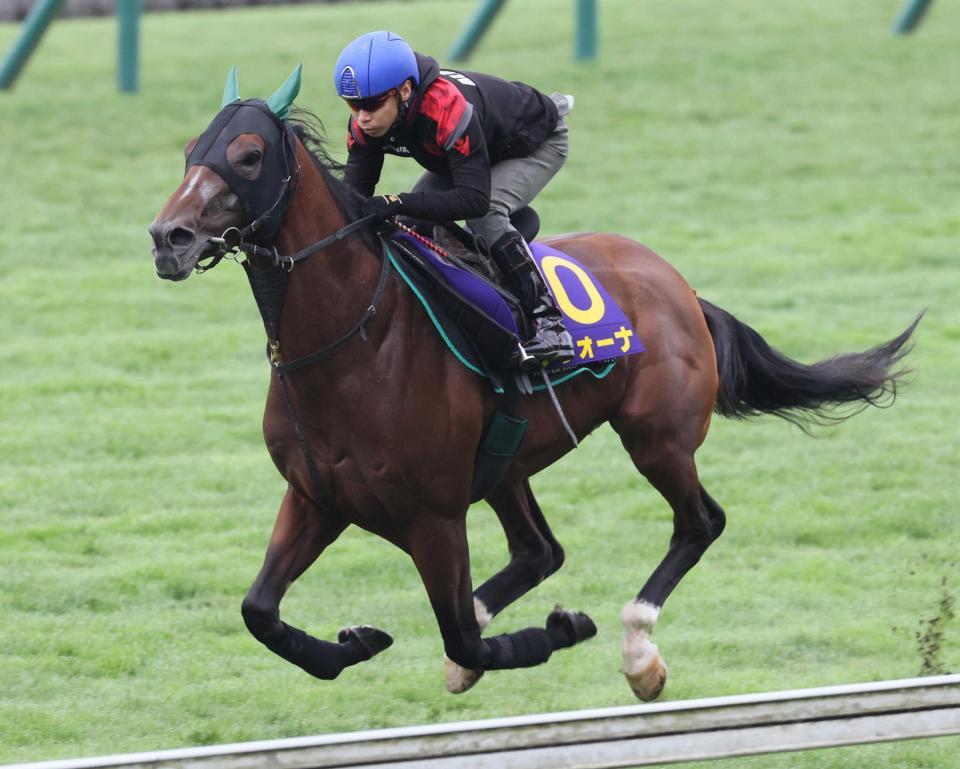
x=640 y=735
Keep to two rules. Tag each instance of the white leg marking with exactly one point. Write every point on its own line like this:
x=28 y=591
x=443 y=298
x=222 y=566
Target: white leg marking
x=643 y=666
x=639 y=619
x=483 y=614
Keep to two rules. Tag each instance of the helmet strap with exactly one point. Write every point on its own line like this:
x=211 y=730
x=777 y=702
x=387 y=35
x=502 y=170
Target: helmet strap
x=404 y=106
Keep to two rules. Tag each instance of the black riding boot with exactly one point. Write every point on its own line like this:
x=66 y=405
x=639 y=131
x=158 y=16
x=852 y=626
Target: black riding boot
x=550 y=341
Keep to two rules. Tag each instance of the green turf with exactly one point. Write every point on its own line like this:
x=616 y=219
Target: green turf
x=794 y=161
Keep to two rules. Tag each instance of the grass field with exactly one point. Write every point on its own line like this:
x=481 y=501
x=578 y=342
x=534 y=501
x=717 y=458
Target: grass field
x=794 y=161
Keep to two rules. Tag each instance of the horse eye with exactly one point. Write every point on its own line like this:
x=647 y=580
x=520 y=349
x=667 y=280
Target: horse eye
x=252 y=158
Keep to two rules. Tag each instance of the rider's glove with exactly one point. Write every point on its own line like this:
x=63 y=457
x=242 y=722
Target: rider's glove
x=382 y=206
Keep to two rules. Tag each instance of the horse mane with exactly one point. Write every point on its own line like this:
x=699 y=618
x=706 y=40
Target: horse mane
x=309 y=129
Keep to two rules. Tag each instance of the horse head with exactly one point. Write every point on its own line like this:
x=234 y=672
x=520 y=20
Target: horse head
x=240 y=174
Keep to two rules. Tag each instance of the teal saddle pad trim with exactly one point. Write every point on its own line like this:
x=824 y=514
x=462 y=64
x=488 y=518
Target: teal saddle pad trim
x=464 y=357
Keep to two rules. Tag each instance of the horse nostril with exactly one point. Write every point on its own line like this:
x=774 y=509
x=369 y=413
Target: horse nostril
x=181 y=237
x=156 y=234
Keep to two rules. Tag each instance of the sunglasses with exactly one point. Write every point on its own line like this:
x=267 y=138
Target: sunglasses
x=371 y=104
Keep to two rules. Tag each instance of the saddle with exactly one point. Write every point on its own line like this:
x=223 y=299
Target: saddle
x=463 y=291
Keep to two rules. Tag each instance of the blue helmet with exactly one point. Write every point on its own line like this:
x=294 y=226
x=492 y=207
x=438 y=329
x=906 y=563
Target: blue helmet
x=373 y=64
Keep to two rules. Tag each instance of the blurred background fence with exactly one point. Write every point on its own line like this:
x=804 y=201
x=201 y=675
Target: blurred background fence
x=16 y=10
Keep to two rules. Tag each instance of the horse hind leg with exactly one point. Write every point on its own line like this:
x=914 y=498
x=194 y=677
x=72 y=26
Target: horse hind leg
x=300 y=535
x=535 y=554
x=440 y=552
x=697 y=522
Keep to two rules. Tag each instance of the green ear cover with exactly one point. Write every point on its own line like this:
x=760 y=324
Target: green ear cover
x=283 y=97
x=231 y=91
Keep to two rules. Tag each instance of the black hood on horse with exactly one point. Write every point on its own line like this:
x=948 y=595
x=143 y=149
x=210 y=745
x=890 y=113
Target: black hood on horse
x=264 y=206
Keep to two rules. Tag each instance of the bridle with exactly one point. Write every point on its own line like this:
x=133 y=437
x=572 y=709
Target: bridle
x=256 y=239
x=250 y=238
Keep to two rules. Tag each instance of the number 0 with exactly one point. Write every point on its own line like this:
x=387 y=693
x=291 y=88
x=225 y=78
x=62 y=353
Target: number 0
x=583 y=315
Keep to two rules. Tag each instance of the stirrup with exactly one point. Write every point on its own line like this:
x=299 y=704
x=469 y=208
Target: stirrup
x=525 y=361
x=546 y=352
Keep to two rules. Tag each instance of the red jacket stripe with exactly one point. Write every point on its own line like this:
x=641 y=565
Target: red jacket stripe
x=444 y=104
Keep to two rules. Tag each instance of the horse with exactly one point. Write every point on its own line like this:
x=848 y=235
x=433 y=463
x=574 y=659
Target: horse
x=378 y=425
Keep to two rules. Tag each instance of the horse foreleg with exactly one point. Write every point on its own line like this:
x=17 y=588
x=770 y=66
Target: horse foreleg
x=300 y=534
x=441 y=555
x=534 y=555
x=697 y=522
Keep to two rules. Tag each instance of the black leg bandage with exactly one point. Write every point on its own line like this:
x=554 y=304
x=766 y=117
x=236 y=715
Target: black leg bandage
x=522 y=649
x=321 y=659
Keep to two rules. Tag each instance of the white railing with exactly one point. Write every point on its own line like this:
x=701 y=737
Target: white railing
x=639 y=735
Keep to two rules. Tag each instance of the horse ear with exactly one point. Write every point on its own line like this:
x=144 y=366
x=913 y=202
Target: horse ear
x=231 y=91
x=281 y=100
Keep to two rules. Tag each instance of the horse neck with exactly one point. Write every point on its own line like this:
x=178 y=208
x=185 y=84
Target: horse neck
x=328 y=291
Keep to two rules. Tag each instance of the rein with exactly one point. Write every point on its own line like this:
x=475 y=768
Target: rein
x=232 y=241
x=359 y=328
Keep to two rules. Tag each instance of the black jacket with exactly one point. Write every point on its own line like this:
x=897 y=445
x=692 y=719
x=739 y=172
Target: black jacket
x=457 y=125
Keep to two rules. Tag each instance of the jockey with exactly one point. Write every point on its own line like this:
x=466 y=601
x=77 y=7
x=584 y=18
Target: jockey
x=488 y=147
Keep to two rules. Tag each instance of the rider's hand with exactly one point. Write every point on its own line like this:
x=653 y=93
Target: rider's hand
x=383 y=206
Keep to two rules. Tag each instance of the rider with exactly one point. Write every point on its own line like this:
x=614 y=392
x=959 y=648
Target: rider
x=489 y=146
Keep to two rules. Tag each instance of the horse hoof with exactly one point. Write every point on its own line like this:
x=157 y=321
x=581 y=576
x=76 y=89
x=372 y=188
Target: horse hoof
x=648 y=675
x=459 y=679
x=567 y=628
x=370 y=639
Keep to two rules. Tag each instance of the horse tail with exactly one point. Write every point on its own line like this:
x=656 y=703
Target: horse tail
x=756 y=379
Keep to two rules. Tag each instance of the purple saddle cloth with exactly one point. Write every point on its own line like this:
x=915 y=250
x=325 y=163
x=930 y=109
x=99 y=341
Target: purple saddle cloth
x=601 y=330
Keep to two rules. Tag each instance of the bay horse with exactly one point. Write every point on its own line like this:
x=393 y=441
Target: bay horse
x=381 y=430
